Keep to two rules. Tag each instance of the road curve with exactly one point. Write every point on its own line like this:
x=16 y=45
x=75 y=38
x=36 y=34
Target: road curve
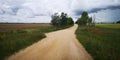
x=58 y=45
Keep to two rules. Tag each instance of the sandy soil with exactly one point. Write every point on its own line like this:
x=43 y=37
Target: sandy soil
x=58 y=45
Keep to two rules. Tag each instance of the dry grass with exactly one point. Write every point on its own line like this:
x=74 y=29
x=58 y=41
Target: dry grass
x=6 y=27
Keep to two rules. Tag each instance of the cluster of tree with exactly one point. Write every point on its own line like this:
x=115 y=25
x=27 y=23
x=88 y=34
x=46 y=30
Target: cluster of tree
x=118 y=22
x=85 y=19
x=61 y=19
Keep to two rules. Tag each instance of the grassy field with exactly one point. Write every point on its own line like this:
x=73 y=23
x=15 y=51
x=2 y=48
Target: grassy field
x=14 y=37
x=101 y=41
x=15 y=26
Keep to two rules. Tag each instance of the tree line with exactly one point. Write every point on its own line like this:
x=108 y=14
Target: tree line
x=63 y=19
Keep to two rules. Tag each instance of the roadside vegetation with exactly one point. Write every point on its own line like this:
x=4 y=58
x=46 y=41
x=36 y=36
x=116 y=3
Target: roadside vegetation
x=100 y=40
x=12 y=40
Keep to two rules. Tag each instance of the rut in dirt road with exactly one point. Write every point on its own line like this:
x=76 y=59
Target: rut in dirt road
x=58 y=45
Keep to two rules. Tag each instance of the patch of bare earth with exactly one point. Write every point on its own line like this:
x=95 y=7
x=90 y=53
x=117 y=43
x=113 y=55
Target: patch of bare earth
x=59 y=45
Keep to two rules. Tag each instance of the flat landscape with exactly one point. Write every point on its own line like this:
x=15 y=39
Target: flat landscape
x=55 y=47
x=59 y=29
x=101 y=41
x=14 y=37
x=20 y=26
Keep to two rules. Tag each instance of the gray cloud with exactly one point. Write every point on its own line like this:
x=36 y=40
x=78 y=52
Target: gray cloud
x=94 y=10
x=25 y=9
x=107 y=15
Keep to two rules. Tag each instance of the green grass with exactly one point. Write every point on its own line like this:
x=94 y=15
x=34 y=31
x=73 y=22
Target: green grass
x=14 y=40
x=116 y=26
x=101 y=41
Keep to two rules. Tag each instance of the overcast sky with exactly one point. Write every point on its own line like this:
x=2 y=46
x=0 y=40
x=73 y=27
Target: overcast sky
x=40 y=11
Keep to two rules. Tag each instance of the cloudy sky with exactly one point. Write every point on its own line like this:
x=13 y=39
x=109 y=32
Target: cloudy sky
x=40 y=11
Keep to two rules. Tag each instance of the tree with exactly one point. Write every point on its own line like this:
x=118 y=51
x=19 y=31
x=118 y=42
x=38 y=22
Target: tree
x=55 y=19
x=83 y=19
x=70 y=21
x=89 y=22
x=61 y=20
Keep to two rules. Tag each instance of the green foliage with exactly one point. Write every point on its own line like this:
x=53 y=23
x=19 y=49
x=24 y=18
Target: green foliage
x=90 y=20
x=61 y=20
x=70 y=21
x=56 y=19
x=83 y=19
x=101 y=41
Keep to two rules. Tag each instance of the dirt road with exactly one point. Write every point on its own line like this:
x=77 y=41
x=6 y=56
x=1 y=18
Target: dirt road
x=59 y=45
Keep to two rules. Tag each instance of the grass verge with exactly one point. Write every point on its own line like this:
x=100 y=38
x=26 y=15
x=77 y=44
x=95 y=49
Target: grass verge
x=14 y=40
x=102 y=41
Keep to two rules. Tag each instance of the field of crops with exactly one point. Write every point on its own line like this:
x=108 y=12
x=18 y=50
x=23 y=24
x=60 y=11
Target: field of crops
x=101 y=41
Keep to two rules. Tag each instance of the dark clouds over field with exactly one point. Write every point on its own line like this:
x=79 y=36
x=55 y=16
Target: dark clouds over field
x=41 y=10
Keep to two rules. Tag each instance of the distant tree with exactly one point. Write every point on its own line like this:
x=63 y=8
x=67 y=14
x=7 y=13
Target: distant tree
x=55 y=19
x=70 y=21
x=84 y=18
x=118 y=22
x=89 y=22
x=61 y=20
